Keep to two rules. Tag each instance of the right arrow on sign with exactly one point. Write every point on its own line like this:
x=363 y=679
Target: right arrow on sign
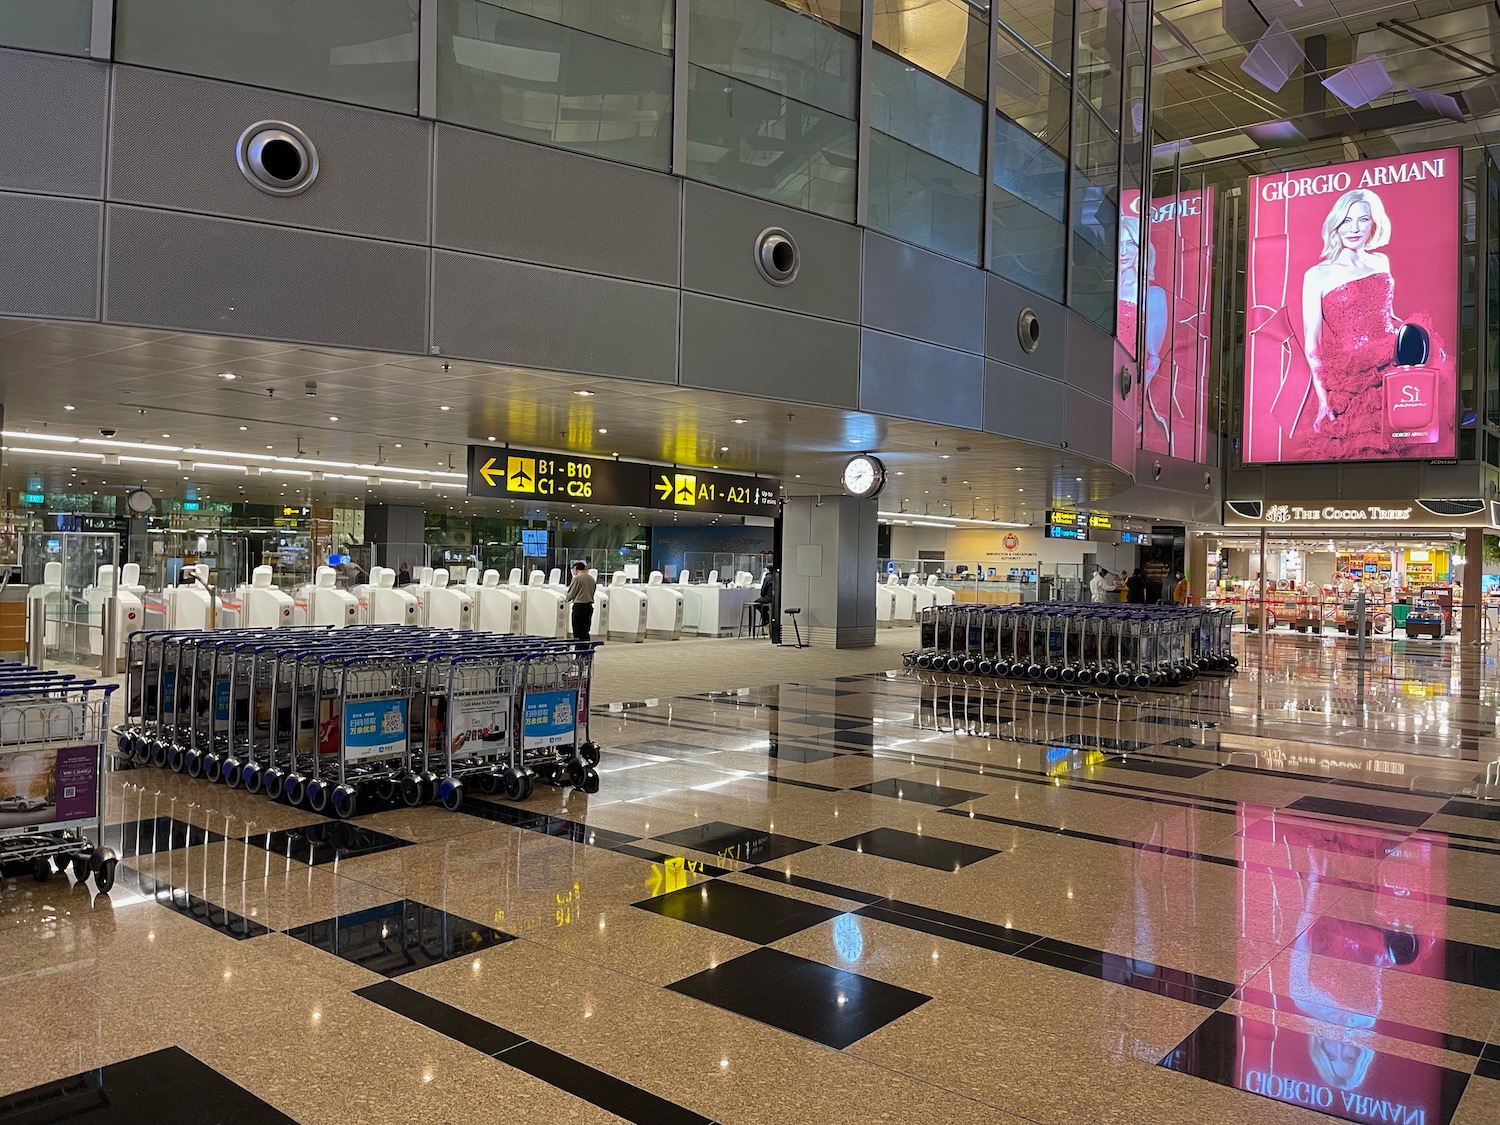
x=665 y=487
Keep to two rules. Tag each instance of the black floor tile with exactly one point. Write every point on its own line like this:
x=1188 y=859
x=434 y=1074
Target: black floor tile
x=793 y=752
x=818 y=1002
x=217 y=918
x=799 y=783
x=656 y=855
x=855 y=739
x=920 y=791
x=1476 y=810
x=555 y=826
x=807 y=884
x=1402 y=951
x=453 y=1022
x=1161 y=769
x=166 y=1087
x=741 y=911
x=938 y=923
x=731 y=842
x=928 y=851
x=1362 y=1085
x=1380 y=814
x=154 y=834
x=609 y=1093
x=399 y=937
x=325 y=842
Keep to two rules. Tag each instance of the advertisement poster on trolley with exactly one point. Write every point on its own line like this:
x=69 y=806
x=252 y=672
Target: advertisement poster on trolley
x=1352 y=311
x=1166 y=257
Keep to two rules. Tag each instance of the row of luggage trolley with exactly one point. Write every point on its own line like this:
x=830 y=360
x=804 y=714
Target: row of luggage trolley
x=52 y=745
x=361 y=717
x=1136 y=646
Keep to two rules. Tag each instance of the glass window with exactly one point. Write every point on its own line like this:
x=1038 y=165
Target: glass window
x=749 y=139
x=1097 y=70
x=1046 y=24
x=1028 y=224
x=771 y=104
x=59 y=26
x=1095 y=217
x=360 y=51
x=943 y=37
x=926 y=183
x=641 y=23
x=841 y=13
x=522 y=76
x=777 y=49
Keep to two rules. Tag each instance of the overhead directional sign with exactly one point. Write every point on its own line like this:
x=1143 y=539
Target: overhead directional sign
x=693 y=490
x=525 y=474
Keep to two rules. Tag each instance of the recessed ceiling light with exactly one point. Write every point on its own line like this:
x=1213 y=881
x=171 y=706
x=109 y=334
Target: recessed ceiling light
x=226 y=375
x=166 y=435
x=1018 y=468
x=70 y=406
x=490 y=438
x=723 y=449
x=1020 y=490
x=398 y=445
x=602 y=430
x=584 y=394
x=944 y=456
x=1079 y=479
x=270 y=447
x=333 y=417
x=900 y=472
x=739 y=421
x=243 y=428
x=445 y=408
x=798 y=476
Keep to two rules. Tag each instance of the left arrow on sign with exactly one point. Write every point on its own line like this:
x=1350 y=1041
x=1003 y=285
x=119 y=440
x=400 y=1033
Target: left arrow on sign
x=489 y=472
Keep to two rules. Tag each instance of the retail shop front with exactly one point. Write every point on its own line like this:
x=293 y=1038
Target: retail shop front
x=1418 y=564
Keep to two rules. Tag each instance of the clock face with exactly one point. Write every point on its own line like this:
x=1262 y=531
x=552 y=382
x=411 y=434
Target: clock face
x=863 y=476
x=140 y=501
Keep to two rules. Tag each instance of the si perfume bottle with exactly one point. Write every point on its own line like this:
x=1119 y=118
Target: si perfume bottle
x=1410 y=404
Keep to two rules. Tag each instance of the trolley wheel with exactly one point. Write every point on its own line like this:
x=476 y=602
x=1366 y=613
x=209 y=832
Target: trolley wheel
x=176 y=759
x=272 y=783
x=589 y=752
x=450 y=792
x=104 y=876
x=294 y=789
x=159 y=753
x=955 y=663
x=232 y=772
x=528 y=782
x=573 y=771
x=513 y=782
x=970 y=665
x=1069 y=674
x=41 y=870
x=193 y=762
x=429 y=787
x=385 y=790
x=343 y=799
x=61 y=862
x=1033 y=671
x=1051 y=672
x=589 y=781
x=140 y=749
x=80 y=867
x=1018 y=671
x=488 y=783
x=213 y=767
x=317 y=795
x=411 y=790
x=1142 y=680
x=986 y=667
x=924 y=660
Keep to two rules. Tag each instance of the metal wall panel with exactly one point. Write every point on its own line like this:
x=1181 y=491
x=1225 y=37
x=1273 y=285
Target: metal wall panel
x=911 y=379
x=1374 y=481
x=52 y=116
x=1091 y=358
x=720 y=230
x=171 y=270
x=729 y=346
x=1088 y=426
x=535 y=204
x=532 y=316
x=1020 y=404
x=172 y=144
x=1004 y=303
x=49 y=257
x=926 y=296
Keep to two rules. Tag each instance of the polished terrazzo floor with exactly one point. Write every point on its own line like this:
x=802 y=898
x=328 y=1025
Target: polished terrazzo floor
x=875 y=897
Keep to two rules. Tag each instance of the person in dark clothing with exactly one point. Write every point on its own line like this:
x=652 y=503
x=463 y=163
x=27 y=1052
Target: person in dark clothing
x=767 y=595
x=581 y=594
x=1135 y=587
x=403 y=576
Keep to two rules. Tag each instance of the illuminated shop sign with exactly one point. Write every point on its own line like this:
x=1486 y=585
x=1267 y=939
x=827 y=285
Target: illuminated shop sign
x=1345 y=513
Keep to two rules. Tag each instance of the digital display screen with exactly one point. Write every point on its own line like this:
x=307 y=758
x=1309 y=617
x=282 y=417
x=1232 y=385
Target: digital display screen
x=534 y=543
x=1166 y=259
x=1352 y=311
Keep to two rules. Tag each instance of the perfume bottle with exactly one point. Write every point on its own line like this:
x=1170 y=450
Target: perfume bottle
x=1411 y=389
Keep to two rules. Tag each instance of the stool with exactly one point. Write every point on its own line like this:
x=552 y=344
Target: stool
x=792 y=613
x=750 y=619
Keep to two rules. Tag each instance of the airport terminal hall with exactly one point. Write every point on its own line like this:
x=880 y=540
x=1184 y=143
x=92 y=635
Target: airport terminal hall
x=750 y=562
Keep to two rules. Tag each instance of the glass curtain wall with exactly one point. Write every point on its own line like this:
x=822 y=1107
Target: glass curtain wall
x=592 y=76
x=927 y=96
x=360 y=51
x=1028 y=216
x=771 y=101
x=1095 y=208
x=59 y=26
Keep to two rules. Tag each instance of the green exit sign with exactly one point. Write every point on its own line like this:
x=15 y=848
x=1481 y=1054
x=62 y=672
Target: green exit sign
x=33 y=498
x=190 y=505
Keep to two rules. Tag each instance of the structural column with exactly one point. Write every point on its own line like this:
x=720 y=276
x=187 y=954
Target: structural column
x=829 y=569
x=1471 y=617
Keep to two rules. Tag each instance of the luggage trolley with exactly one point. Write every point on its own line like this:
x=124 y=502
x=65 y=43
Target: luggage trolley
x=52 y=773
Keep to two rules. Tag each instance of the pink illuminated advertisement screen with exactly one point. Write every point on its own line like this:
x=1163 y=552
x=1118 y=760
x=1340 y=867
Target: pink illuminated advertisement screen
x=1352 y=311
x=1177 y=265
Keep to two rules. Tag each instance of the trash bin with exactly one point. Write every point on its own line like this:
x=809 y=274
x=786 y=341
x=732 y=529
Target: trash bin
x=1398 y=614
